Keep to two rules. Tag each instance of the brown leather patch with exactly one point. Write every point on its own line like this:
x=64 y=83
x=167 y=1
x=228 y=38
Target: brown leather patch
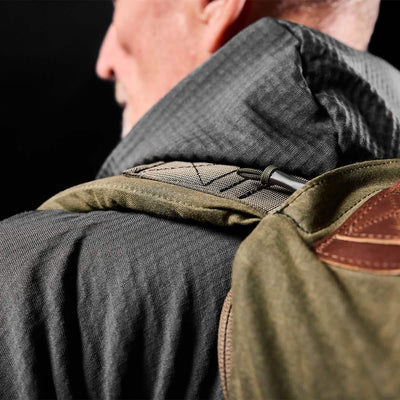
x=370 y=239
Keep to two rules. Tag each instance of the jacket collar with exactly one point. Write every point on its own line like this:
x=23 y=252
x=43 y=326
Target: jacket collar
x=277 y=93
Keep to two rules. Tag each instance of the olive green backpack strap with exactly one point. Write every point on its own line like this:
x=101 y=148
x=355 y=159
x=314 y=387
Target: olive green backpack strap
x=316 y=293
x=204 y=192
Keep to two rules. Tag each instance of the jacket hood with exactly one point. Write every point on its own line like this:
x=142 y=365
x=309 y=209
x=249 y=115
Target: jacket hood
x=277 y=93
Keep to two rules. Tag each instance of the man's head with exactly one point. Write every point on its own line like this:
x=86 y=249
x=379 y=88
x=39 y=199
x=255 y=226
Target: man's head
x=152 y=44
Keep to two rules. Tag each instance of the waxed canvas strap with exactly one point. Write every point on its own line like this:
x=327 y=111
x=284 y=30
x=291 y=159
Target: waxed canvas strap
x=205 y=192
x=219 y=180
x=123 y=193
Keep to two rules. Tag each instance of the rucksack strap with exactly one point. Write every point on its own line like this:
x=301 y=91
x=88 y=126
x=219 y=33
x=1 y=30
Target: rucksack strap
x=204 y=192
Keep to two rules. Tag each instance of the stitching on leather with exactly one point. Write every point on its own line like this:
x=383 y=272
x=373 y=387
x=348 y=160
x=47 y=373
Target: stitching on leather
x=380 y=197
x=348 y=230
x=326 y=242
x=376 y=236
x=374 y=221
x=359 y=262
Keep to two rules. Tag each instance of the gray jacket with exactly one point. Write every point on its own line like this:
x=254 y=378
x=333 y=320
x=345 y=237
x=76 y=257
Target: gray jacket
x=112 y=304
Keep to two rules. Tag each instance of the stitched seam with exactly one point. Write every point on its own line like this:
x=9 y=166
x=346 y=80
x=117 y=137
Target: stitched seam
x=331 y=223
x=147 y=175
x=199 y=189
x=215 y=192
x=348 y=230
x=225 y=338
x=326 y=242
x=221 y=176
x=251 y=192
x=363 y=213
x=375 y=236
x=122 y=186
x=196 y=186
x=232 y=186
x=358 y=261
x=172 y=168
x=144 y=168
x=334 y=177
x=198 y=174
x=377 y=219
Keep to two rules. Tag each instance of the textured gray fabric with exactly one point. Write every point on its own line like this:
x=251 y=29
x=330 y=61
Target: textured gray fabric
x=278 y=93
x=108 y=305
x=112 y=304
x=219 y=180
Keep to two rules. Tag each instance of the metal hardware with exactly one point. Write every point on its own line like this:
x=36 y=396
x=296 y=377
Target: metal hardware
x=273 y=176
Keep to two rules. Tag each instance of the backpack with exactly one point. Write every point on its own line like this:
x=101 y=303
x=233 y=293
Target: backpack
x=314 y=308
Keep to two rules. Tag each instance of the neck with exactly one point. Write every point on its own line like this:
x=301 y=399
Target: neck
x=350 y=21
x=342 y=24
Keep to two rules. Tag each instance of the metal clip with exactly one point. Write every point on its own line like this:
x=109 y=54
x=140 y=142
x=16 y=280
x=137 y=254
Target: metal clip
x=273 y=176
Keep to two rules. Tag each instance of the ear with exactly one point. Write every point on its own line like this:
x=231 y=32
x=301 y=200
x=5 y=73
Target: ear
x=223 y=21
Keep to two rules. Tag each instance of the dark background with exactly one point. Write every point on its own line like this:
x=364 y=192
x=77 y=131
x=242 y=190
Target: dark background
x=58 y=121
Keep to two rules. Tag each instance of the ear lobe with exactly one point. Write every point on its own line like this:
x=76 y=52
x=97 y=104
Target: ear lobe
x=221 y=17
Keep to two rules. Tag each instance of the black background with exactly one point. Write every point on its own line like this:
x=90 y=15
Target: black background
x=58 y=121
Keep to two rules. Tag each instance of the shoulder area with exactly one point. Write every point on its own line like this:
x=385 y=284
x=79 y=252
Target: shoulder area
x=60 y=221
x=38 y=237
x=41 y=228
x=50 y=220
x=57 y=228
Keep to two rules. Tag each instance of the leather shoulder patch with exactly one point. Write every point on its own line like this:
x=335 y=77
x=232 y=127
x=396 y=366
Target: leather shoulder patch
x=369 y=240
